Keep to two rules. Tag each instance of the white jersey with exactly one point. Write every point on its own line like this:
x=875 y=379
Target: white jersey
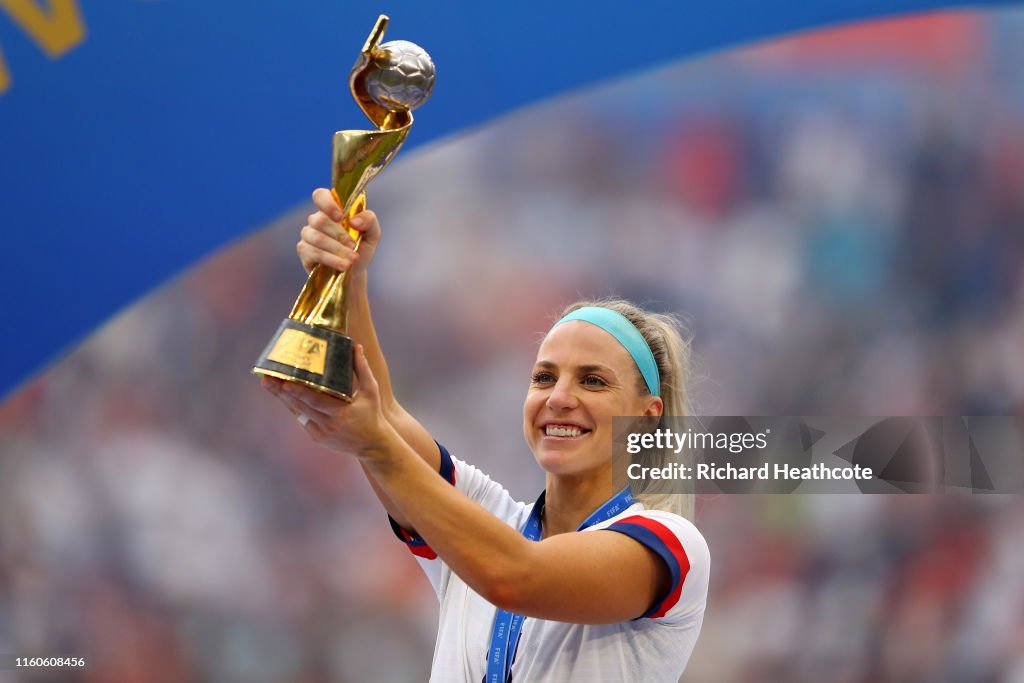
x=653 y=648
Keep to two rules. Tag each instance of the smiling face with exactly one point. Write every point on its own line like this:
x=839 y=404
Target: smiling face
x=583 y=378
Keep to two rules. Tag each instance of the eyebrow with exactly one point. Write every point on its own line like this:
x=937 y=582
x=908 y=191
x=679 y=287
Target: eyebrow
x=590 y=367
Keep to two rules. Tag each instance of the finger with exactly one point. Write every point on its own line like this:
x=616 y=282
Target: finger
x=314 y=400
x=271 y=384
x=311 y=427
x=311 y=255
x=343 y=247
x=365 y=222
x=298 y=407
x=334 y=231
x=323 y=199
x=291 y=404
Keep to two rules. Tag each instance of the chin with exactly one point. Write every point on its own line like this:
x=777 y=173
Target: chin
x=562 y=460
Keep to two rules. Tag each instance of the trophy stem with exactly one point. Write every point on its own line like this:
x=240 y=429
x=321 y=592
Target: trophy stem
x=322 y=300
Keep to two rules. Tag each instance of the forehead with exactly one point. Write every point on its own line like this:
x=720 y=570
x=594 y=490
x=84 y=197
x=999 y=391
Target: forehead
x=580 y=343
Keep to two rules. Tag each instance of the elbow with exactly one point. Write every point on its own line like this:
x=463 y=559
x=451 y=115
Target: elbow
x=504 y=594
x=507 y=589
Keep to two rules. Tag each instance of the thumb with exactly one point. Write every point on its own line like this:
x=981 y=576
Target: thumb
x=364 y=375
x=366 y=223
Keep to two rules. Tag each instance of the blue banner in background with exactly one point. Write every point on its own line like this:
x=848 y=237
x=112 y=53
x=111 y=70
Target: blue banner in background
x=137 y=136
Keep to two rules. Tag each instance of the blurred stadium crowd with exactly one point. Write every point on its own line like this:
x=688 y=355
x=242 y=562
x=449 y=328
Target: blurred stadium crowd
x=841 y=218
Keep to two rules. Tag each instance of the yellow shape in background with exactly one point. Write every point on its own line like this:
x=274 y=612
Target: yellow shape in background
x=55 y=31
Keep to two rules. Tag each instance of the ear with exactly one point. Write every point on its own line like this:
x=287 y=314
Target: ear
x=655 y=407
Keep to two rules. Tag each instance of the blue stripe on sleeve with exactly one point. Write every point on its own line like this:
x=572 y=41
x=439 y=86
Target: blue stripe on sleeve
x=447 y=469
x=651 y=540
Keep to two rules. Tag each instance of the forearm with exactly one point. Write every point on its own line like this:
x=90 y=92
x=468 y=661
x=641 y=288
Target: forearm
x=483 y=550
x=361 y=329
x=415 y=436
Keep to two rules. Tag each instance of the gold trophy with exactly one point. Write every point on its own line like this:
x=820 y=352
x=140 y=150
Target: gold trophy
x=387 y=81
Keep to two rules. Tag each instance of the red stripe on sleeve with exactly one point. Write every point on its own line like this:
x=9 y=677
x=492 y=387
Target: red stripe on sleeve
x=417 y=546
x=424 y=551
x=671 y=542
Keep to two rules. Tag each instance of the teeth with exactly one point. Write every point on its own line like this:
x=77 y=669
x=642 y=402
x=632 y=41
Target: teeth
x=562 y=430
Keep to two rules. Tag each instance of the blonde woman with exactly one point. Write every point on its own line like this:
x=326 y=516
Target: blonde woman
x=583 y=584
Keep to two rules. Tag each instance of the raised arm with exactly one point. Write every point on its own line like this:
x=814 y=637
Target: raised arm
x=324 y=240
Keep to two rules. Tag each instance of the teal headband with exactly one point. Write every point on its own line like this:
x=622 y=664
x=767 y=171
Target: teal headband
x=626 y=334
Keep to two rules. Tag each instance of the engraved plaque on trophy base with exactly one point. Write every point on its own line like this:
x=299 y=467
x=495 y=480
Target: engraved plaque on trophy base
x=315 y=356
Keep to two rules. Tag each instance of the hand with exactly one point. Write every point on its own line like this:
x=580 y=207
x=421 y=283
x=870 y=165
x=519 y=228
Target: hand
x=356 y=428
x=325 y=240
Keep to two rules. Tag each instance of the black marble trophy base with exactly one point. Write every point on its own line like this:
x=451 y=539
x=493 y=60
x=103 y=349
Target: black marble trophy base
x=315 y=356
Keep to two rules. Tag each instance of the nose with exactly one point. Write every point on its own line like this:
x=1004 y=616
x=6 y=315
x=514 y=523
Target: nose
x=563 y=395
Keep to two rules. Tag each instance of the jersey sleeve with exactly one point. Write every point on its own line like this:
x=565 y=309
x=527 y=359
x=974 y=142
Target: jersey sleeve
x=683 y=550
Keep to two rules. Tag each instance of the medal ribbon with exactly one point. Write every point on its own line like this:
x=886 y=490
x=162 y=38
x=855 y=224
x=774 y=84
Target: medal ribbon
x=507 y=626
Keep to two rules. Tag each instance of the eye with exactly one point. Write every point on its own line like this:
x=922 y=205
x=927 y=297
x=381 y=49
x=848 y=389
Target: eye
x=594 y=381
x=542 y=377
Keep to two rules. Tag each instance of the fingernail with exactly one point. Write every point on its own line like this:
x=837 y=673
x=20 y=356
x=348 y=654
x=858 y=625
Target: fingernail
x=356 y=222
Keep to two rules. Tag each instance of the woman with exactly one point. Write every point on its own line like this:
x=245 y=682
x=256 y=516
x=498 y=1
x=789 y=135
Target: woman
x=524 y=597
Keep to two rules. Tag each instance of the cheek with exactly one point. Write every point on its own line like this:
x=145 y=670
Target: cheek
x=531 y=405
x=604 y=410
x=529 y=416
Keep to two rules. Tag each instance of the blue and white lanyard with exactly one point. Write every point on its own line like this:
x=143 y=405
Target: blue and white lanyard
x=507 y=626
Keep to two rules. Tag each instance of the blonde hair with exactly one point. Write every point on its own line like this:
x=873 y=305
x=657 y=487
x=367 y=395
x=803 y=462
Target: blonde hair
x=669 y=340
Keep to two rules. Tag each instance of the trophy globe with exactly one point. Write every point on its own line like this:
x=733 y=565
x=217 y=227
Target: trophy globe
x=402 y=76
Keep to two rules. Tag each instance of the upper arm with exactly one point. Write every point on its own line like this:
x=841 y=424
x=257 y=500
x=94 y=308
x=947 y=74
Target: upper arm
x=596 y=577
